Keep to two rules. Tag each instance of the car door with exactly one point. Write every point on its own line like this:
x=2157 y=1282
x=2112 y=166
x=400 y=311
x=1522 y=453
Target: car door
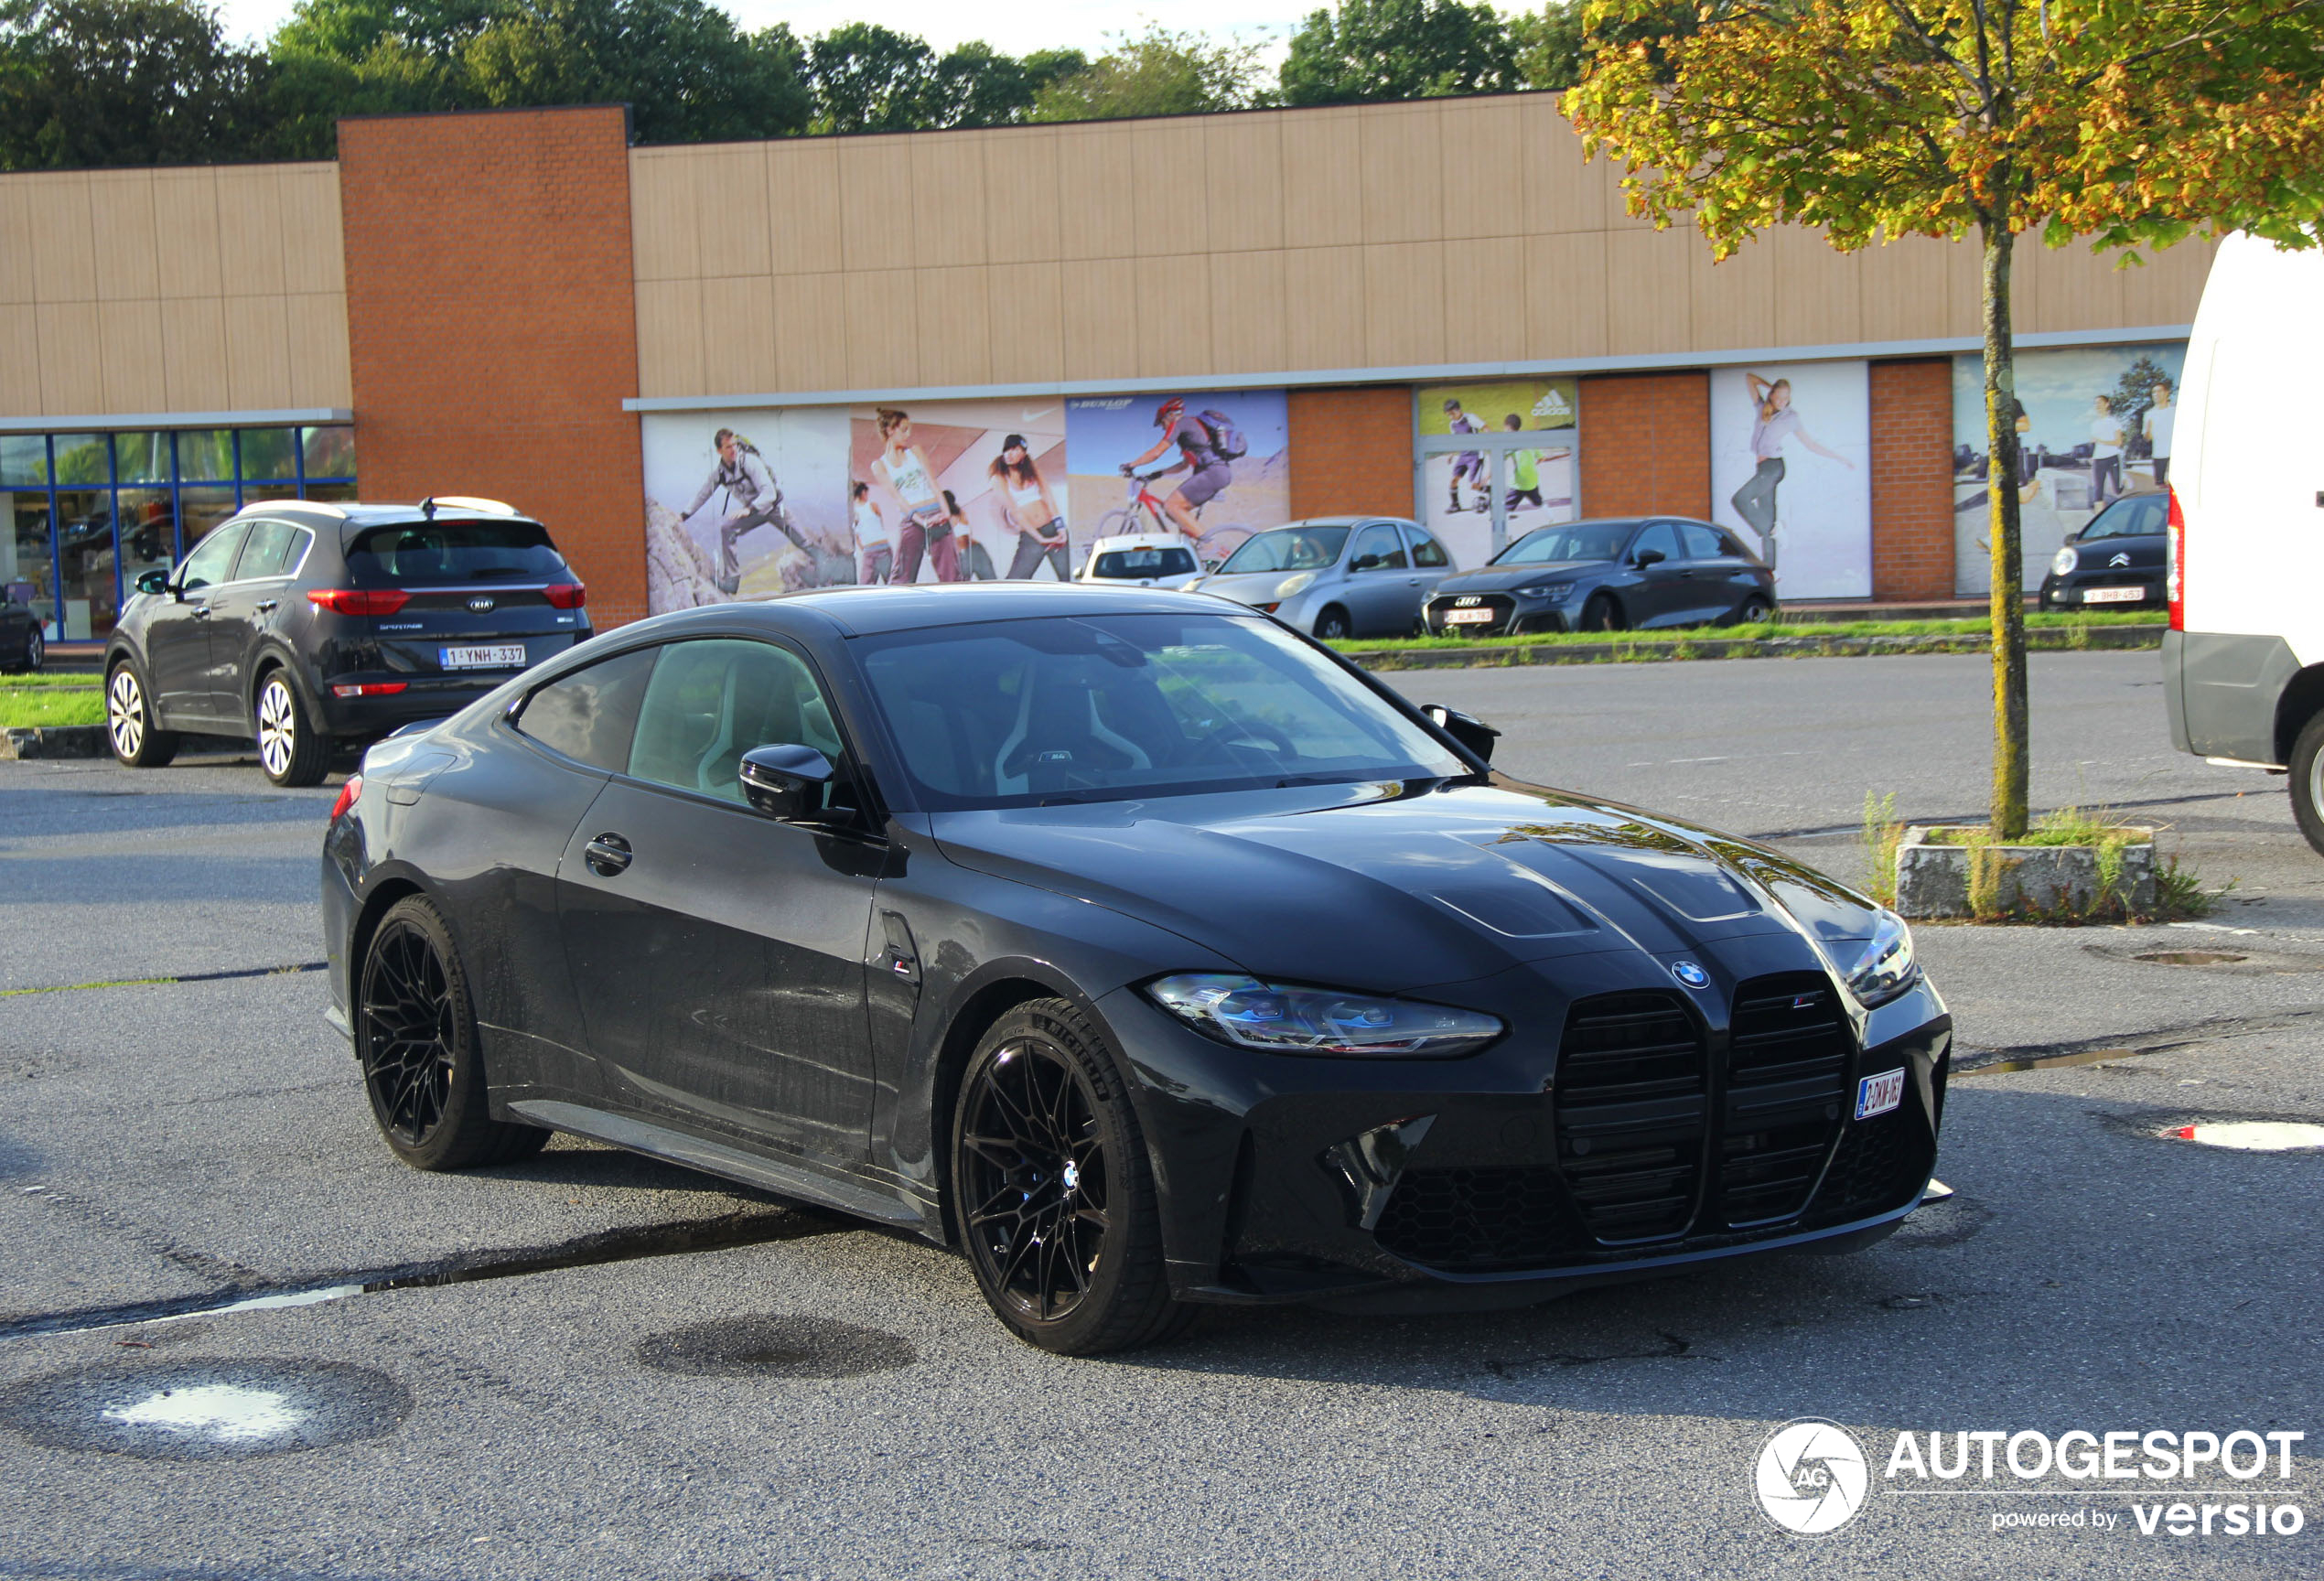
x=1431 y=563
x=1382 y=592
x=1715 y=575
x=176 y=636
x=245 y=606
x=1659 y=596
x=718 y=953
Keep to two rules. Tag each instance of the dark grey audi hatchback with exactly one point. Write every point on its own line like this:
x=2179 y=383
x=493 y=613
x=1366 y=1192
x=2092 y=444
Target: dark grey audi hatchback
x=1142 y=949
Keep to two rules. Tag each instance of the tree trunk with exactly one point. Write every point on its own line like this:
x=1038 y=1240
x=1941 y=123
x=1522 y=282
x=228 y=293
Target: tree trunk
x=2009 y=769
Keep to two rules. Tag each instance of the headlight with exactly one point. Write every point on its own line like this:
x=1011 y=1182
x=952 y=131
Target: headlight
x=2063 y=562
x=1292 y=586
x=1885 y=968
x=1250 y=1014
x=1548 y=590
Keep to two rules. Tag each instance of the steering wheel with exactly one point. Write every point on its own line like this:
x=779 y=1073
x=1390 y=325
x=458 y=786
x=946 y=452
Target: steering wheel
x=1220 y=745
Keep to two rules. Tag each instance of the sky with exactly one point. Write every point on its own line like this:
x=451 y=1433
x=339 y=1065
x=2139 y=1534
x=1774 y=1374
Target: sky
x=1018 y=29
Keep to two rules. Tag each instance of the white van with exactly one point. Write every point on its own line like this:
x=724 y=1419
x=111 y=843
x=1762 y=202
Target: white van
x=2244 y=660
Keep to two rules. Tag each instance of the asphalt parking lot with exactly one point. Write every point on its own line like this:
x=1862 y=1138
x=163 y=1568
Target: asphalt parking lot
x=592 y=1365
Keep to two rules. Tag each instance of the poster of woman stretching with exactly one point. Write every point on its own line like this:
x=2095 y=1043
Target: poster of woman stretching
x=1788 y=452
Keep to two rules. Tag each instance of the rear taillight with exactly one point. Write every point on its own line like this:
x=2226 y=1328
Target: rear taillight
x=2175 y=565
x=358 y=600
x=369 y=689
x=566 y=595
x=349 y=794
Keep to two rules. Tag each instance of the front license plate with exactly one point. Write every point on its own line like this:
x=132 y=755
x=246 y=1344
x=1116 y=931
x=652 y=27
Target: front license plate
x=1469 y=617
x=1879 y=1094
x=2114 y=596
x=498 y=656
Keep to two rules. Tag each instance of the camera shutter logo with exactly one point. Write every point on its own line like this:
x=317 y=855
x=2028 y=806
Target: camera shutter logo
x=1810 y=1477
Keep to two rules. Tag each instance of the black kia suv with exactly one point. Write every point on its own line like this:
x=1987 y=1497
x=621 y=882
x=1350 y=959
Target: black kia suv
x=297 y=624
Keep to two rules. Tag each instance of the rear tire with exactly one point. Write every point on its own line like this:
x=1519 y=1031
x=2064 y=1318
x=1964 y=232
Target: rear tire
x=138 y=741
x=2307 y=782
x=1601 y=614
x=416 y=1039
x=1054 y=1193
x=1755 y=609
x=291 y=750
x=1333 y=625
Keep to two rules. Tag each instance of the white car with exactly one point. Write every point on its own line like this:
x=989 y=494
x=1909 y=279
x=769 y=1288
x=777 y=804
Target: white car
x=1142 y=560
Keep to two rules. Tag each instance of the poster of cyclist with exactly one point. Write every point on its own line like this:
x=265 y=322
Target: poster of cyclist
x=1213 y=466
x=744 y=504
x=1480 y=460
x=1791 y=444
x=962 y=491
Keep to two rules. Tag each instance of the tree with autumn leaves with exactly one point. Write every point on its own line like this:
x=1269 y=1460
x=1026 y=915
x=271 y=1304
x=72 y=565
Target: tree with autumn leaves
x=2134 y=124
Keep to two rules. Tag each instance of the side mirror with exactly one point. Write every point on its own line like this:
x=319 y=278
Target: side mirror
x=787 y=782
x=1473 y=734
x=153 y=582
x=1646 y=557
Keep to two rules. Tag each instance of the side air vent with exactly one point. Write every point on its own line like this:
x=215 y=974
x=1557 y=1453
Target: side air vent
x=1479 y=1220
x=1789 y=1049
x=1631 y=1110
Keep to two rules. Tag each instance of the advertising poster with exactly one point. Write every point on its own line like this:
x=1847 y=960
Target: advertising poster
x=1789 y=448
x=1215 y=466
x=962 y=490
x=2094 y=423
x=1472 y=456
x=744 y=504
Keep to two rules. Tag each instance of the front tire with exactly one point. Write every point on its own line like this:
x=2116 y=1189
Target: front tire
x=138 y=741
x=2307 y=782
x=291 y=750
x=1055 y=1195
x=1601 y=613
x=1333 y=625
x=415 y=1039
x=34 y=652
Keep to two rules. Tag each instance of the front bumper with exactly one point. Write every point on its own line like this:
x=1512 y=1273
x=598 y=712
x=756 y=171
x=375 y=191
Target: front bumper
x=1512 y=614
x=1418 y=1185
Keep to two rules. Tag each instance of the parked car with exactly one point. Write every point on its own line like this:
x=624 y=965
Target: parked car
x=1336 y=576
x=2116 y=560
x=2244 y=660
x=20 y=636
x=1151 y=954
x=297 y=624
x=1142 y=559
x=1613 y=575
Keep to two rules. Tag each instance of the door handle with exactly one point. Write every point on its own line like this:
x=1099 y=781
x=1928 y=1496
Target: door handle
x=607 y=855
x=266 y=604
x=201 y=611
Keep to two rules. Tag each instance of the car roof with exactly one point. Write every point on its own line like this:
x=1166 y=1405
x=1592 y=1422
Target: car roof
x=869 y=611
x=1140 y=541
x=356 y=514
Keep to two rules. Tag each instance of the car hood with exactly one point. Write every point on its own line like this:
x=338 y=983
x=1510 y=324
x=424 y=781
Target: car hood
x=1253 y=588
x=1501 y=578
x=1392 y=887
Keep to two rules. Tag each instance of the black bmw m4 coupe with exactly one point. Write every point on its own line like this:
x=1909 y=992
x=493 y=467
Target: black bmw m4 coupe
x=1145 y=951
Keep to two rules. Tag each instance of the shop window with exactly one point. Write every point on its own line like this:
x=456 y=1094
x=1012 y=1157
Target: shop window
x=24 y=460
x=148 y=540
x=205 y=454
x=267 y=454
x=84 y=561
x=141 y=457
x=330 y=452
x=198 y=510
x=25 y=565
x=83 y=459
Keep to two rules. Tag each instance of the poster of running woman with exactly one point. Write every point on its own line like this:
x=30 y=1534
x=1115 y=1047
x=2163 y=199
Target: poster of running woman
x=1212 y=466
x=1791 y=444
x=743 y=503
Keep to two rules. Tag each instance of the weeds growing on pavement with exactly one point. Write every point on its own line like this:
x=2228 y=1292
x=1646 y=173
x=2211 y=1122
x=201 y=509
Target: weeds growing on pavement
x=1883 y=833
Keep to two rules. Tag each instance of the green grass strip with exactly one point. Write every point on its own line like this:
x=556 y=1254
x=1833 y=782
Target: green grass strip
x=1808 y=630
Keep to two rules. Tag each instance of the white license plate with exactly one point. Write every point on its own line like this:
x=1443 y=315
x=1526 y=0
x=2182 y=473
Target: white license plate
x=1879 y=1094
x=2114 y=595
x=1469 y=617
x=495 y=656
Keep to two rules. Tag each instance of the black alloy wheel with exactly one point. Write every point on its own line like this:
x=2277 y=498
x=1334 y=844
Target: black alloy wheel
x=1055 y=1196
x=415 y=1035
x=1333 y=626
x=136 y=741
x=1601 y=613
x=1755 y=609
x=289 y=748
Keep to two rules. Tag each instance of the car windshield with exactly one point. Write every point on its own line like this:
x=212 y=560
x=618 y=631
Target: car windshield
x=2136 y=516
x=416 y=552
x=1017 y=712
x=1287 y=549
x=1588 y=541
x=1144 y=561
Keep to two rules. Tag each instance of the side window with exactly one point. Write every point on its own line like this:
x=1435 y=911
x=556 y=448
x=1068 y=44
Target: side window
x=1378 y=548
x=212 y=558
x=1660 y=537
x=266 y=551
x=590 y=715
x=1427 y=554
x=714 y=699
x=1703 y=542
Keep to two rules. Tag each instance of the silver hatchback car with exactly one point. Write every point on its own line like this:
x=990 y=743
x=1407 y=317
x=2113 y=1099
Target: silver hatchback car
x=1337 y=576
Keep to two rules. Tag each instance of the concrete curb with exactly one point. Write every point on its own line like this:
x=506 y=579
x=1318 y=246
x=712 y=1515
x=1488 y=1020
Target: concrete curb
x=1503 y=655
x=54 y=741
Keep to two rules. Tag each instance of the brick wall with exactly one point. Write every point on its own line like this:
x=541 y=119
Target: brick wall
x=1646 y=445
x=1351 y=451
x=491 y=328
x=1912 y=479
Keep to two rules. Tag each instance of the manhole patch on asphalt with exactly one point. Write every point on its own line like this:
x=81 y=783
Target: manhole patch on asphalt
x=206 y=1408
x=775 y=1346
